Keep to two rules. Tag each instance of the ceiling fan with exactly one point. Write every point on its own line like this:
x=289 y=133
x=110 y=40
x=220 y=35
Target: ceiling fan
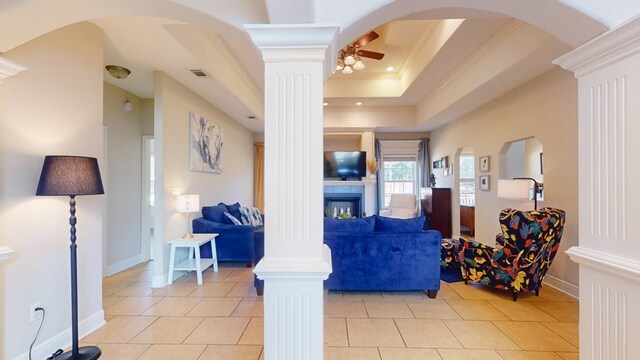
x=349 y=57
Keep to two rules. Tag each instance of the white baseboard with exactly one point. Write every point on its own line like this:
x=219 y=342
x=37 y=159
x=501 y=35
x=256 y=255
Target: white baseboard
x=123 y=265
x=159 y=281
x=562 y=286
x=63 y=339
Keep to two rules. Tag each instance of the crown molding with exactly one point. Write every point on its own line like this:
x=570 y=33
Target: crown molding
x=9 y=68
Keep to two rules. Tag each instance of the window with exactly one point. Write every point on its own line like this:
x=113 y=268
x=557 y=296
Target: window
x=467 y=180
x=399 y=176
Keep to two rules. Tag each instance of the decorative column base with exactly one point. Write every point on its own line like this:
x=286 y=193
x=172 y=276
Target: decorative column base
x=294 y=307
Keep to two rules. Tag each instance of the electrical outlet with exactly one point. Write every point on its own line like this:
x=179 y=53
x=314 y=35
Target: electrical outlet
x=33 y=313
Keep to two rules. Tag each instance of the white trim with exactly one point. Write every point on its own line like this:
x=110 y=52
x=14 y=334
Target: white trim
x=5 y=251
x=617 y=266
x=295 y=268
x=63 y=339
x=9 y=68
x=562 y=286
x=124 y=264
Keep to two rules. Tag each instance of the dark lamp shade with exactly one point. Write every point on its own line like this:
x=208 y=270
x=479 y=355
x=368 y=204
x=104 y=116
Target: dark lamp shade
x=70 y=176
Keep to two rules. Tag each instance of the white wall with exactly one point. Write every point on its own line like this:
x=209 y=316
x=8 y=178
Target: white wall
x=532 y=150
x=545 y=108
x=124 y=170
x=173 y=102
x=55 y=107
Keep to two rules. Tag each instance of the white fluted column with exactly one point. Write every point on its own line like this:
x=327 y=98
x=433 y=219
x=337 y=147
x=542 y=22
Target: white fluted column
x=298 y=58
x=608 y=73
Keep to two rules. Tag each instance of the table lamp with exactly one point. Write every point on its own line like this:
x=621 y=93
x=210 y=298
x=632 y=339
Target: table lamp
x=188 y=204
x=518 y=188
x=72 y=176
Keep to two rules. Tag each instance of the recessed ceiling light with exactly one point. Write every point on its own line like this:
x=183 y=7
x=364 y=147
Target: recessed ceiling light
x=390 y=68
x=325 y=103
x=359 y=103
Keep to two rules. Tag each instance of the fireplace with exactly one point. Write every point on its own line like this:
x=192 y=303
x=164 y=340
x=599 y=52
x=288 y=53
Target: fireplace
x=336 y=203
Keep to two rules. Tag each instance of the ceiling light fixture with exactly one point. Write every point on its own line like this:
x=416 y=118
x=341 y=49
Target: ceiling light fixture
x=325 y=103
x=390 y=68
x=349 y=57
x=118 y=72
x=359 y=103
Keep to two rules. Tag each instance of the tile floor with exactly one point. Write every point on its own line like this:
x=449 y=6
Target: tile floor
x=223 y=319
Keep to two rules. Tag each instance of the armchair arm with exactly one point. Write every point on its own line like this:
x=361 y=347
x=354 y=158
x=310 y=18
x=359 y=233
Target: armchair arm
x=475 y=260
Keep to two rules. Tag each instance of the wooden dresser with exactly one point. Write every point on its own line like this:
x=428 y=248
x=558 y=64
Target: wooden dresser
x=436 y=206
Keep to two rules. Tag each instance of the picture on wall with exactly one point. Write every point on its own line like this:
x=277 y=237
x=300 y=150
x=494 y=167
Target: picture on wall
x=484 y=164
x=484 y=182
x=205 y=145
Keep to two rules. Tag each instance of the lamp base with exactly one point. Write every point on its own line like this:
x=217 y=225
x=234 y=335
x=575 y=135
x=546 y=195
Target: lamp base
x=84 y=353
x=187 y=236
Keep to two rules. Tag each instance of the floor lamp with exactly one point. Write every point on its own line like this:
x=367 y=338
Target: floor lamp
x=72 y=176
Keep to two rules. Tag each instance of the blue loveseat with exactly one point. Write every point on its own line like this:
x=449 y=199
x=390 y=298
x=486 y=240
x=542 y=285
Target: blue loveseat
x=234 y=242
x=379 y=254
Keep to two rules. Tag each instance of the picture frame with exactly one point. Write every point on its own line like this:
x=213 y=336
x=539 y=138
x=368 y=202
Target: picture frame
x=541 y=164
x=484 y=164
x=484 y=182
x=205 y=145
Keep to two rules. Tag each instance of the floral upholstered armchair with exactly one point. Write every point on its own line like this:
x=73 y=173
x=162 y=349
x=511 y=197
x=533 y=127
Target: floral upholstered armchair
x=526 y=248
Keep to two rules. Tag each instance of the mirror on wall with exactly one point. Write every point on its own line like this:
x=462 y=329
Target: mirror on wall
x=523 y=159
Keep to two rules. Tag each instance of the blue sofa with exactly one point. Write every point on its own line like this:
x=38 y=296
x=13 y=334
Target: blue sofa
x=379 y=254
x=234 y=242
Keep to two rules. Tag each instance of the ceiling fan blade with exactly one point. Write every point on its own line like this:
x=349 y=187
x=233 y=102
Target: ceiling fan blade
x=370 y=54
x=366 y=39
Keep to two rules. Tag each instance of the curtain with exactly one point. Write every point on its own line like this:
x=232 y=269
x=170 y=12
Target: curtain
x=379 y=174
x=258 y=177
x=424 y=163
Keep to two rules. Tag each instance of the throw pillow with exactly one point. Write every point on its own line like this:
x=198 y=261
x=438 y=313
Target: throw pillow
x=215 y=213
x=233 y=209
x=250 y=216
x=387 y=224
x=349 y=225
x=233 y=219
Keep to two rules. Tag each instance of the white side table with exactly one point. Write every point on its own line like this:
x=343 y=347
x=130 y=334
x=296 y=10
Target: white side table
x=193 y=263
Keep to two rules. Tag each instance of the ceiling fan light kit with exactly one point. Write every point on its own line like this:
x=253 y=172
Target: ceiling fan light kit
x=118 y=72
x=349 y=57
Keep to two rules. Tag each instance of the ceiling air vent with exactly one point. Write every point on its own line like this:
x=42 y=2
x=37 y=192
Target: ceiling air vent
x=199 y=73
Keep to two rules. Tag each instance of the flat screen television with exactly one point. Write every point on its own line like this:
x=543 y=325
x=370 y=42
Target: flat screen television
x=345 y=164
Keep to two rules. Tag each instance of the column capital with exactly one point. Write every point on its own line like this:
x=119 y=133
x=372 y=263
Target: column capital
x=9 y=68
x=296 y=42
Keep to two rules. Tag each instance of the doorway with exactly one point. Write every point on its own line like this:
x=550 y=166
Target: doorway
x=467 y=192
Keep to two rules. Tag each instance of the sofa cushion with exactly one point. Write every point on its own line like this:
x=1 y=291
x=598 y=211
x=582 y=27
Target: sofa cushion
x=386 y=224
x=366 y=224
x=233 y=209
x=233 y=219
x=215 y=213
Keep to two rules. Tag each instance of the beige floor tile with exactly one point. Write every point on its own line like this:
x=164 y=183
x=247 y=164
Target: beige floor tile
x=474 y=291
x=254 y=333
x=213 y=289
x=433 y=309
x=215 y=307
x=426 y=333
x=397 y=296
x=231 y=352
x=528 y=355
x=218 y=330
x=544 y=339
x=521 y=311
x=122 y=351
x=351 y=353
x=374 y=332
x=569 y=355
x=136 y=289
x=173 y=352
x=465 y=354
x=243 y=290
x=135 y=305
x=352 y=309
x=335 y=332
x=446 y=292
x=550 y=294
x=211 y=276
x=172 y=306
x=240 y=275
x=397 y=309
x=480 y=335
x=176 y=289
x=167 y=330
x=120 y=329
x=409 y=354
x=250 y=307
x=109 y=317
x=563 y=311
x=361 y=295
x=111 y=300
x=476 y=310
x=110 y=288
x=568 y=331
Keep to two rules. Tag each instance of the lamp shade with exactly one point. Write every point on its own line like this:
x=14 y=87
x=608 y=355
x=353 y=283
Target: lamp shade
x=513 y=189
x=188 y=203
x=69 y=176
